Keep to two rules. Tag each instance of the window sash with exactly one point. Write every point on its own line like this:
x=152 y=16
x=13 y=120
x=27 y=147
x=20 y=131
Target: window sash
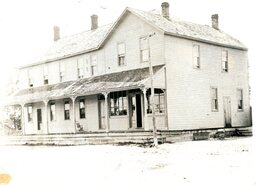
x=240 y=99
x=159 y=103
x=214 y=99
x=196 y=56
x=121 y=48
x=118 y=103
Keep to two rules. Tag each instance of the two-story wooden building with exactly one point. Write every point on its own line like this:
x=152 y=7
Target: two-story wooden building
x=99 y=80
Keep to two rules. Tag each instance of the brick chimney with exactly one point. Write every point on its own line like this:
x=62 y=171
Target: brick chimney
x=165 y=10
x=56 y=32
x=94 y=19
x=215 y=21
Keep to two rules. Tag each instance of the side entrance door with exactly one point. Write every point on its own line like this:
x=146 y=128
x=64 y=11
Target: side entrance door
x=227 y=111
x=39 y=119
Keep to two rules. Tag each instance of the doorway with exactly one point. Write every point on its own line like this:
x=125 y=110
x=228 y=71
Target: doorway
x=102 y=114
x=135 y=109
x=227 y=111
x=39 y=119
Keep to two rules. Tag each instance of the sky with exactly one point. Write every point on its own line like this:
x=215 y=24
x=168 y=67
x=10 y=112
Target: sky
x=26 y=27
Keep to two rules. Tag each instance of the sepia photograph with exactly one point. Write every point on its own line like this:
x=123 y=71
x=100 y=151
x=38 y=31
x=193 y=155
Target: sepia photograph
x=127 y=92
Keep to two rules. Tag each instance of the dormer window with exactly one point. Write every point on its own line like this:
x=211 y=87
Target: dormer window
x=144 y=49
x=121 y=54
x=224 y=61
x=80 y=68
x=196 y=56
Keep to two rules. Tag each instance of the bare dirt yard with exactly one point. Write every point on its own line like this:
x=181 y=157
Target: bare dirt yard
x=229 y=161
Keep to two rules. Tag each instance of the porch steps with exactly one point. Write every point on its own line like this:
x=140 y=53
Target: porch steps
x=125 y=137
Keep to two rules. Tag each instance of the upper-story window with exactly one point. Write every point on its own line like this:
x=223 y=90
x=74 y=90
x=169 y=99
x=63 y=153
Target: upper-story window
x=30 y=80
x=214 y=99
x=62 y=71
x=196 y=56
x=225 y=60
x=240 y=103
x=93 y=65
x=30 y=112
x=80 y=68
x=121 y=53
x=46 y=80
x=144 y=49
x=66 y=110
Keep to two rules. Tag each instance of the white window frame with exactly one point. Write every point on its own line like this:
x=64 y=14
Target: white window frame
x=240 y=99
x=214 y=99
x=121 y=60
x=224 y=61
x=62 y=69
x=80 y=68
x=196 y=56
x=144 y=50
x=94 y=64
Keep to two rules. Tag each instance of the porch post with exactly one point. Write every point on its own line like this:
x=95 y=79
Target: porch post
x=46 y=115
x=165 y=110
x=144 y=90
x=23 y=119
x=106 y=111
x=74 y=111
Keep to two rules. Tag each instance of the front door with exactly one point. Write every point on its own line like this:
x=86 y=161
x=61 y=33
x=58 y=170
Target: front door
x=227 y=111
x=102 y=114
x=135 y=111
x=39 y=119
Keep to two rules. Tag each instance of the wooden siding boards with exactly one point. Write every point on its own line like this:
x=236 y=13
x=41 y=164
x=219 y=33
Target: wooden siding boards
x=189 y=89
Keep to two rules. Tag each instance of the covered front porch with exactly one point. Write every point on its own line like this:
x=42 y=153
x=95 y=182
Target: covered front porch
x=113 y=102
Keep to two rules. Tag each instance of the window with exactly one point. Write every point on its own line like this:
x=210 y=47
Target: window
x=121 y=54
x=82 y=108
x=30 y=111
x=196 y=56
x=214 y=99
x=225 y=61
x=240 y=104
x=46 y=75
x=62 y=71
x=30 y=81
x=52 y=111
x=80 y=68
x=66 y=110
x=118 y=103
x=93 y=65
x=158 y=100
x=144 y=49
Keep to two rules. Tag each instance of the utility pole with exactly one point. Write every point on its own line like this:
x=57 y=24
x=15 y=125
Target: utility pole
x=152 y=92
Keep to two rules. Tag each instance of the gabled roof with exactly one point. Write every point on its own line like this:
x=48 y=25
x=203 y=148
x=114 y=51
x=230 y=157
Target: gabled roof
x=87 y=86
x=188 y=30
x=94 y=39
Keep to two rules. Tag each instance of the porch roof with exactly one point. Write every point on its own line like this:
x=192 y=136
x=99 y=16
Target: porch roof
x=124 y=80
